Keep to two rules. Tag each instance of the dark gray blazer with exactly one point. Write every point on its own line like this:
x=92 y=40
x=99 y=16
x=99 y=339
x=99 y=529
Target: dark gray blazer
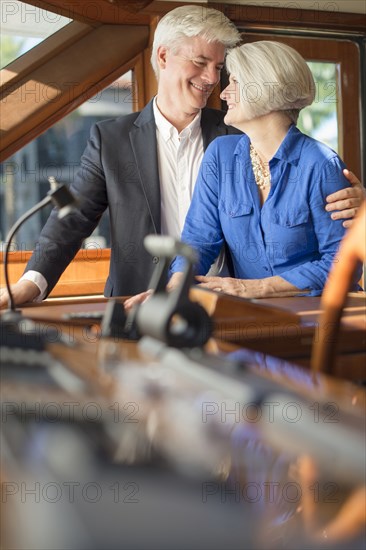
x=119 y=170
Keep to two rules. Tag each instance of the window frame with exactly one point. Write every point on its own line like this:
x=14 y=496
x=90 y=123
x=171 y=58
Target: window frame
x=46 y=83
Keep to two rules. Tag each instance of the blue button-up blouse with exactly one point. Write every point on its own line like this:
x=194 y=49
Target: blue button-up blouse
x=291 y=235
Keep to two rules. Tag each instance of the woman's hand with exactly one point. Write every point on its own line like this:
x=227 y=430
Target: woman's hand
x=245 y=288
x=250 y=288
x=345 y=203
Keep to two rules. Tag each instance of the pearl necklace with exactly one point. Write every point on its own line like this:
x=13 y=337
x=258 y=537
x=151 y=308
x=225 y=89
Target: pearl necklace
x=261 y=172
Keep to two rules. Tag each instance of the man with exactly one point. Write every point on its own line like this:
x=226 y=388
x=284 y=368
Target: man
x=143 y=166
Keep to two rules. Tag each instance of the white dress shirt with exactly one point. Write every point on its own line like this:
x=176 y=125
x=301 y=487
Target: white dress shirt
x=179 y=159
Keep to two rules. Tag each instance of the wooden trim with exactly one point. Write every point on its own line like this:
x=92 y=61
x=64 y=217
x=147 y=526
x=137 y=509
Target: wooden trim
x=150 y=81
x=161 y=7
x=80 y=288
x=102 y=11
x=214 y=101
x=46 y=50
x=62 y=83
x=138 y=95
x=87 y=254
x=85 y=275
x=117 y=13
x=269 y=16
x=261 y=17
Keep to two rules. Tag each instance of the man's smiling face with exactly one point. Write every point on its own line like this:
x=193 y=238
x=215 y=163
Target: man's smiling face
x=189 y=73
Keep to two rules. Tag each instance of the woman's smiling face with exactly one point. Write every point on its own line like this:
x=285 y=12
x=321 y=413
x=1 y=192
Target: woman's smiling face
x=236 y=111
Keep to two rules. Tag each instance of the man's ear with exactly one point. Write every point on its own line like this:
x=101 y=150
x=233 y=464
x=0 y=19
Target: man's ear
x=161 y=56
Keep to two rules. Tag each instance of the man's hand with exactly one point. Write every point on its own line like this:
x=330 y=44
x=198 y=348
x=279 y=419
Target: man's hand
x=137 y=299
x=23 y=292
x=345 y=203
x=143 y=296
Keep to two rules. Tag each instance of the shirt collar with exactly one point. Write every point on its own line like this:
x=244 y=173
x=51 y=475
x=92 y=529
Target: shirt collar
x=289 y=150
x=167 y=129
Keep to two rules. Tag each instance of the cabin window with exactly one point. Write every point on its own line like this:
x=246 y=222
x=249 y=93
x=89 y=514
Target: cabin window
x=23 y=27
x=57 y=152
x=320 y=120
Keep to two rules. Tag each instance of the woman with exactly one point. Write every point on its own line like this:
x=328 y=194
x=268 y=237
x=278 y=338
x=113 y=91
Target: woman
x=263 y=193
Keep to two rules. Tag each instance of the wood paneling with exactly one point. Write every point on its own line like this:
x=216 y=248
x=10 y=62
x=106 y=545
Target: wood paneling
x=86 y=275
x=260 y=17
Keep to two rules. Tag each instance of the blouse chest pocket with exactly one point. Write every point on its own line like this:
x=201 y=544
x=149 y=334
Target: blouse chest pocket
x=291 y=218
x=235 y=210
x=293 y=233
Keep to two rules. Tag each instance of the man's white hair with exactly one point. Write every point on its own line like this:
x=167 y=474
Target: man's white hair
x=190 y=21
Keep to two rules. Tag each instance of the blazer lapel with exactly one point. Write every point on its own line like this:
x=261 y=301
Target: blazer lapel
x=212 y=126
x=144 y=147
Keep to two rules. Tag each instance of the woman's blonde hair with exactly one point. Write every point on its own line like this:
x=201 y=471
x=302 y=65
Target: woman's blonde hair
x=272 y=77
